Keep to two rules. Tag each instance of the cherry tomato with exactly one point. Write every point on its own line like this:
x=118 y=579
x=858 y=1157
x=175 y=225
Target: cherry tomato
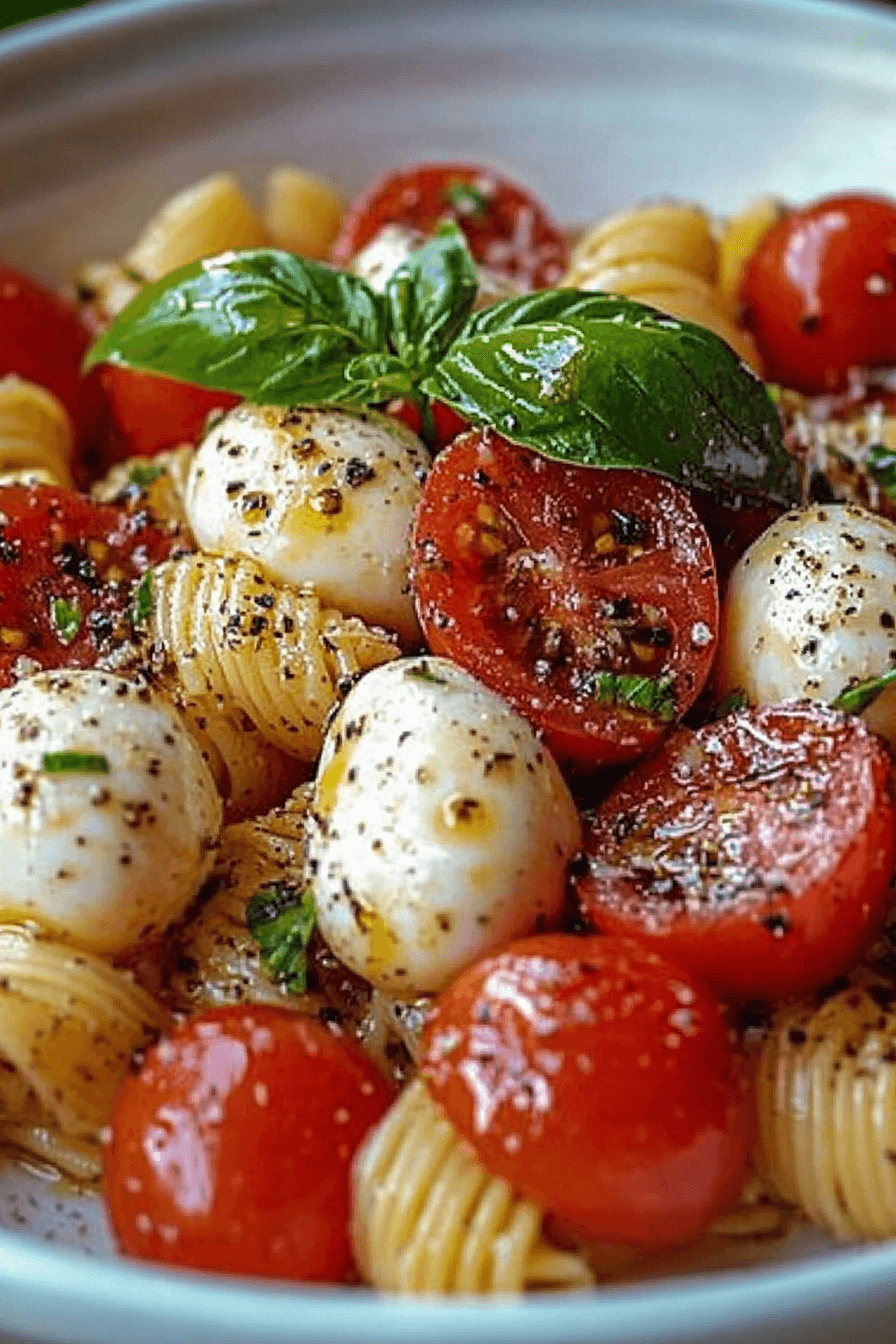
x=67 y=571
x=598 y=1079
x=41 y=338
x=757 y=850
x=231 y=1149
x=819 y=292
x=446 y=423
x=581 y=595
x=507 y=228
x=144 y=413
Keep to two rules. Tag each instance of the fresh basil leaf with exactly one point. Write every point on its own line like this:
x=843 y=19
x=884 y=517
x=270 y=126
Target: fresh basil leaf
x=142 y=474
x=854 y=699
x=628 y=690
x=372 y=379
x=74 y=763
x=468 y=200
x=881 y=466
x=67 y=618
x=281 y=918
x=733 y=703
x=262 y=324
x=140 y=608
x=607 y=382
x=429 y=298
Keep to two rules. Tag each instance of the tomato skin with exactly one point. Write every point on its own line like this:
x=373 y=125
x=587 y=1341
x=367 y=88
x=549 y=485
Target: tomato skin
x=598 y=1079
x=145 y=413
x=231 y=1148
x=532 y=606
x=41 y=337
x=446 y=422
x=819 y=292
x=58 y=545
x=513 y=234
x=758 y=850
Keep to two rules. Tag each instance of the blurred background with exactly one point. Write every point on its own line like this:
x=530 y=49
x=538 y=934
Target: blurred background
x=17 y=11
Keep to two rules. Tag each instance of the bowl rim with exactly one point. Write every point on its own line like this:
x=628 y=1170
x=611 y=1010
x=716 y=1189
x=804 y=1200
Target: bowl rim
x=212 y=1306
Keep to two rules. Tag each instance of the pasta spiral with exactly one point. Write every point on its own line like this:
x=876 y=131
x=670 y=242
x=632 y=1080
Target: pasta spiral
x=664 y=255
x=208 y=216
x=301 y=212
x=428 y=1218
x=35 y=430
x=263 y=648
x=826 y=1093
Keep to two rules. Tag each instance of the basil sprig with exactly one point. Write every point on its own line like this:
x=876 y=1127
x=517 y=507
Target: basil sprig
x=585 y=377
x=853 y=699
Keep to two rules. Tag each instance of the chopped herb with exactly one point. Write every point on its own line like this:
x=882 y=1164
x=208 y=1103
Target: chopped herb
x=74 y=763
x=651 y=695
x=143 y=474
x=853 y=699
x=281 y=918
x=881 y=463
x=140 y=609
x=468 y=200
x=67 y=618
x=131 y=273
x=422 y=673
x=733 y=703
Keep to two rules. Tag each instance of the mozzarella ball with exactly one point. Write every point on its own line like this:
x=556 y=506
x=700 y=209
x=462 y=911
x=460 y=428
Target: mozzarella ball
x=325 y=497
x=440 y=828
x=392 y=247
x=811 y=607
x=108 y=814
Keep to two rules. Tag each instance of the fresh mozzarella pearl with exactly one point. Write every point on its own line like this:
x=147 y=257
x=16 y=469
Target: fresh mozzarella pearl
x=325 y=497
x=391 y=248
x=811 y=606
x=440 y=827
x=109 y=850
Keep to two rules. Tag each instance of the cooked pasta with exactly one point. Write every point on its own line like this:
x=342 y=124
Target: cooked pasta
x=35 y=430
x=301 y=212
x=69 y=1024
x=105 y=288
x=826 y=1095
x=158 y=483
x=266 y=649
x=844 y=451
x=665 y=255
x=738 y=237
x=209 y=216
x=428 y=1218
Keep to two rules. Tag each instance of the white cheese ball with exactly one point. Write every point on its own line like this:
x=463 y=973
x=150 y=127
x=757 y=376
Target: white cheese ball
x=811 y=607
x=441 y=827
x=108 y=814
x=322 y=497
x=392 y=247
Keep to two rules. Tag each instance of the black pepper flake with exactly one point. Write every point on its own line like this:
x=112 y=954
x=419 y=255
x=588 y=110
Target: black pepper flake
x=357 y=472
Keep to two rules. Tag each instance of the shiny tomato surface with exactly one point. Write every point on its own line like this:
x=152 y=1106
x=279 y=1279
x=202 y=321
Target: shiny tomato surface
x=231 y=1148
x=819 y=292
x=145 y=413
x=579 y=594
x=507 y=227
x=41 y=338
x=598 y=1079
x=758 y=850
x=68 y=566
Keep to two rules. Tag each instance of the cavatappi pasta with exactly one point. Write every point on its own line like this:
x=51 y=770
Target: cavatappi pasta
x=290 y=580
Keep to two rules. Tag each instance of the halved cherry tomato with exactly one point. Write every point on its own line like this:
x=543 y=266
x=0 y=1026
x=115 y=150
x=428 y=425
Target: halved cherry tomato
x=41 y=338
x=598 y=1079
x=507 y=228
x=144 y=413
x=586 y=597
x=67 y=570
x=819 y=292
x=757 y=850
x=231 y=1149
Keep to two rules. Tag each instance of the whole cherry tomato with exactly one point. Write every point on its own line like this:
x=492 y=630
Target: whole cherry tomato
x=819 y=292
x=758 y=850
x=68 y=566
x=41 y=338
x=231 y=1149
x=507 y=228
x=446 y=423
x=587 y=597
x=144 y=413
x=598 y=1079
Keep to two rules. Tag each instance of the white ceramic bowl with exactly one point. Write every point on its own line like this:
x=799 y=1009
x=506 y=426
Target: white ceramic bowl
x=595 y=105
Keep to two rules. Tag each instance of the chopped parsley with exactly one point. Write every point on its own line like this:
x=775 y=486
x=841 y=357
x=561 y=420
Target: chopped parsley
x=281 y=918
x=67 y=618
x=74 y=763
x=629 y=690
x=853 y=699
x=140 y=609
x=468 y=200
x=733 y=703
x=881 y=465
x=142 y=474
x=422 y=673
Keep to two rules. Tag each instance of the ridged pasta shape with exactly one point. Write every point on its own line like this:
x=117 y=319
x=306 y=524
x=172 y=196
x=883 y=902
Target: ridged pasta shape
x=105 y=288
x=664 y=255
x=428 y=1218
x=69 y=1025
x=826 y=1096
x=261 y=647
x=739 y=237
x=209 y=216
x=158 y=483
x=35 y=430
x=301 y=212
x=217 y=959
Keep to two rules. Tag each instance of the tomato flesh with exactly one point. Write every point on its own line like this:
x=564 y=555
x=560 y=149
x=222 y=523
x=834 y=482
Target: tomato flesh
x=598 y=1079
x=231 y=1149
x=758 y=850
x=564 y=588
x=507 y=228
x=819 y=292
x=67 y=570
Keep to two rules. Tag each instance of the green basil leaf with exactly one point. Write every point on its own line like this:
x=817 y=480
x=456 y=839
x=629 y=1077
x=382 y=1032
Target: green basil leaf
x=652 y=695
x=141 y=605
x=262 y=324
x=142 y=474
x=854 y=699
x=67 y=618
x=372 y=379
x=74 y=763
x=606 y=382
x=281 y=918
x=429 y=298
x=881 y=466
